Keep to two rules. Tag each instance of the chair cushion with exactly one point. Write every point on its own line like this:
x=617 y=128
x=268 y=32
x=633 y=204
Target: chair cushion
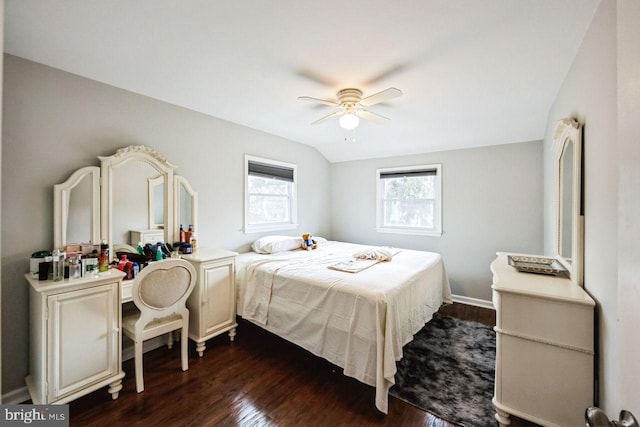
x=163 y=288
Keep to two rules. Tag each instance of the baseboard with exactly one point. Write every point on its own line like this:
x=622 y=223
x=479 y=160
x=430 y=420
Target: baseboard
x=473 y=301
x=17 y=396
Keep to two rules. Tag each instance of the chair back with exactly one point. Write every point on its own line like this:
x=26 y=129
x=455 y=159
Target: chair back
x=162 y=288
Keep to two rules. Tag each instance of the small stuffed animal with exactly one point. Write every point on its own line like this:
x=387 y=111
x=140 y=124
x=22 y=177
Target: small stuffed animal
x=307 y=242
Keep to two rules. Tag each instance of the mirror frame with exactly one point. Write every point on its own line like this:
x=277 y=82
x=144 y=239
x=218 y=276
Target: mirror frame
x=570 y=130
x=128 y=154
x=178 y=181
x=61 y=197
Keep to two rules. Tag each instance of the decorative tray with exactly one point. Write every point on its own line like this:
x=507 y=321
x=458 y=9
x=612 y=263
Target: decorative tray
x=538 y=265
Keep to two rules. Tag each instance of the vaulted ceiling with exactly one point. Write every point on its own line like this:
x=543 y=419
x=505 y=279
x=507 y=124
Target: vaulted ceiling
x=472 y=73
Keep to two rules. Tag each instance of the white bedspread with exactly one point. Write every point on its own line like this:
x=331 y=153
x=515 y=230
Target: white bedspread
x=359 y=322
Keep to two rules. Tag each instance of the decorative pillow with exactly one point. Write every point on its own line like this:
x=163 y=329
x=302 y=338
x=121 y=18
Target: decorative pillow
x=319 y=240
x=275 y=244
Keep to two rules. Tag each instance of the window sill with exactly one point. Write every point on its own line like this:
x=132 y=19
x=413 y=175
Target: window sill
x=410 y=231
x=268 y=227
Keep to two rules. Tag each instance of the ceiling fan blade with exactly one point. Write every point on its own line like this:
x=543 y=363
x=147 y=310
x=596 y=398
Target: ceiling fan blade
x=325 y=118
x=374 y=117
x=379 y=97
x=319 y=101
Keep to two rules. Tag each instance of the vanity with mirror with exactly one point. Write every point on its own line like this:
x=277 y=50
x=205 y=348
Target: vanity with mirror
x=545 y=322
x=133 y=197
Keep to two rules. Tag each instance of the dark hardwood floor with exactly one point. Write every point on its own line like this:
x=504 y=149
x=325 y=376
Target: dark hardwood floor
x=259 y=380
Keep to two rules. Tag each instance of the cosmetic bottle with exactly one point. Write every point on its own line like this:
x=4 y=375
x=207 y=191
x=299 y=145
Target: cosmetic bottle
x=193 y=241
x=128 y=269
x=58 y=265
x=183 y=235
x=187 y=236
x=122 y=263
x=103 y=262
x=74 y=267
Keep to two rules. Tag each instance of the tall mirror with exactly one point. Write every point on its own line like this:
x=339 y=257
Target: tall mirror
x=569 y=219
x=76 y=208
x=126 y=177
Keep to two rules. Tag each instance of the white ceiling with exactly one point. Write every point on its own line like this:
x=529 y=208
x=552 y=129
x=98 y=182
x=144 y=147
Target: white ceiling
x=473 y=72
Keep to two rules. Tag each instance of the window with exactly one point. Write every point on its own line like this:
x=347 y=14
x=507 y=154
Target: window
x=270 y=195
x=409 y=200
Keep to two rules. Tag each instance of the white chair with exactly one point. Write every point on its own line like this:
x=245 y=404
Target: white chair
x=160 y=292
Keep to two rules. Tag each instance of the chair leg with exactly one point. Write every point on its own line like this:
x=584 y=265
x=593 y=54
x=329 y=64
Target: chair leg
x=138 y=363
x=184 y=342
x=170 y=340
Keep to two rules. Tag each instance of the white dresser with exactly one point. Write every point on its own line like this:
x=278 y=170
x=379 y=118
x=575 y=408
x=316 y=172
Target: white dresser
x=544 y=347
x=212 y=304
x=75 y=337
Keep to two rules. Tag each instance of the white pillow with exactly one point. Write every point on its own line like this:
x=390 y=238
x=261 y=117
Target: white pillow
x=275 y=244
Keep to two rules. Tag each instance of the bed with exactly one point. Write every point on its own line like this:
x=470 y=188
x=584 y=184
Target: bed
x=357 y=320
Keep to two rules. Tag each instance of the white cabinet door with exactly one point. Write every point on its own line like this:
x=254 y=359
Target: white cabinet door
x=212 y=305
x=218 y=288
x=83 y=338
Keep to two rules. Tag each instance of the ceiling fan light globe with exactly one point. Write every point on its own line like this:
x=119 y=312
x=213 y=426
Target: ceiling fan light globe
x=349 y=121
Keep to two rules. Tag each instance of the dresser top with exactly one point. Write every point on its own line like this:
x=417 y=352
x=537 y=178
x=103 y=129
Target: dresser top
x=209 y=254
x=66 y=285
x=507 y=279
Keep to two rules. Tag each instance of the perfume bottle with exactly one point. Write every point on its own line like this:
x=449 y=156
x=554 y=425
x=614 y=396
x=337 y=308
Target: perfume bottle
x=103 y=262
x=183 y=235
x=58 y=265
x=74 y=267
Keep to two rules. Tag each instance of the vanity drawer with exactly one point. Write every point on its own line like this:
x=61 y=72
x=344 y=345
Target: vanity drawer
x=126 y=291
x=552 y=321
x=145 y=236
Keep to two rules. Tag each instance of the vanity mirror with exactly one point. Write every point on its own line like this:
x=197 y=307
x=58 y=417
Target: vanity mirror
x=567 y=147
x=125 y=178
x=133 y=189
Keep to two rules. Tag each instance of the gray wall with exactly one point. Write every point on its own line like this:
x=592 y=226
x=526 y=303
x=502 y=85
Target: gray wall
x=492 y=201
x=56 y=122
x=628 y=49
x=601 y=92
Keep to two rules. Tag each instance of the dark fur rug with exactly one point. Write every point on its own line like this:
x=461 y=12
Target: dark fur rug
x=448 y=370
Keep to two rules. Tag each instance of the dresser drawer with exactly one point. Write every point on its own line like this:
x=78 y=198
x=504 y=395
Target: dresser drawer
x=552 y=321
x=549 y=382
x=145 y=236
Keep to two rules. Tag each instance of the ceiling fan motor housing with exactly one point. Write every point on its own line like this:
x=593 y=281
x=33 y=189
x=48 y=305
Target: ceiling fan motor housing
x=349 y=96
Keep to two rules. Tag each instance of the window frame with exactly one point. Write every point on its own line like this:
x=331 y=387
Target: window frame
x=436 y=231
x=293 y=199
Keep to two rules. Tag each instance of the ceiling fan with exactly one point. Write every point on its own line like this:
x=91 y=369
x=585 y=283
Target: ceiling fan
x=352 y=106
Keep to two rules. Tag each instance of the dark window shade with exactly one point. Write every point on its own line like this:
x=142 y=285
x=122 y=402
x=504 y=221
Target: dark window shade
x=408 y=174
x=270 y=171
